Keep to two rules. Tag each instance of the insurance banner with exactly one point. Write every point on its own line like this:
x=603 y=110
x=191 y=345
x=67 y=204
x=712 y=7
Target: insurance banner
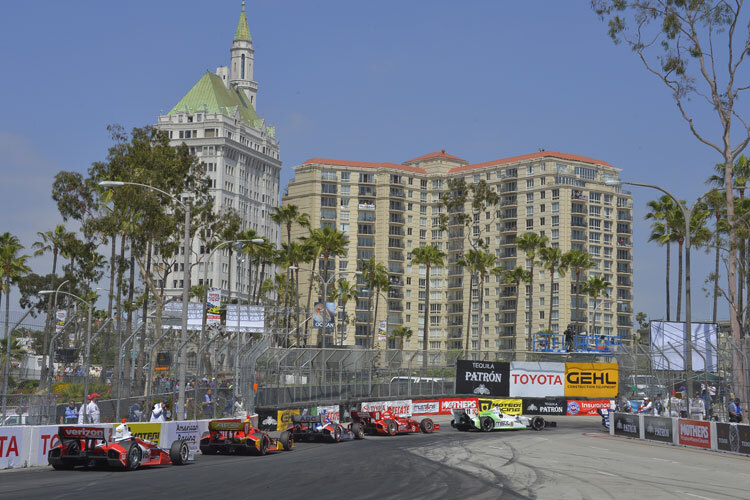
x=733 y=437
x=544 y=406
x=591 y=380
x=483 y=378
x=284 y=418
x=695 y=433
x=507 y=406
x=626 y=424
x=658 y=429
x=586 y=408
x=536 y=379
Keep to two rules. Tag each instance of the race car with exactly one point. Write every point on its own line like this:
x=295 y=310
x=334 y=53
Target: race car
x=320 y=428
x=493 y=419
x=234 y=435
x=385 y=422
x=89 y=446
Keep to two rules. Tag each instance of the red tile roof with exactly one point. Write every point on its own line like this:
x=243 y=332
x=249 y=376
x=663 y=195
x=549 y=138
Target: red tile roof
x=540 y=154
x=437 y=154
x=363 y=164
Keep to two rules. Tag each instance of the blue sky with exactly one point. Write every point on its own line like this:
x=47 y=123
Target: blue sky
x=370 y=81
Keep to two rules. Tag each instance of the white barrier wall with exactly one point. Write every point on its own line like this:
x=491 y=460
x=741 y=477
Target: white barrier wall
x=14 y=446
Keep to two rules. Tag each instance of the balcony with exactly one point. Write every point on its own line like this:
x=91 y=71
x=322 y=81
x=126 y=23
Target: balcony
x=397 y=205
x=395 y=243
x=398 y=192
x=394 y=268
x=367 y=191
x=397 y=219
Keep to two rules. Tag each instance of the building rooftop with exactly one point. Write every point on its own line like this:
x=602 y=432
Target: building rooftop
x=438 y=154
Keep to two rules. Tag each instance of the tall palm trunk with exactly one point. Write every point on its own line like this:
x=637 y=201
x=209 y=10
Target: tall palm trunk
x=129 y=323
x=375 y=318
x=468 y=315
x=577 y=298
x=142 y=340
x=425 y=335
x=259 y=284
x=296 y=302
x=481 y=310
x=309 y=296
x=679 y=279
x=50 y=322
x=551 y=296
x=249 y=275
x=116 y=379
x=716 y=277
x=515 y=322
x=373 y=333
x=741 y=280
x=110 y=298
x=530 y=335
x=668 y=270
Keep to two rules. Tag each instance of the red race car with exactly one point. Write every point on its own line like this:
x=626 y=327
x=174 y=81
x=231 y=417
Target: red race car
x=234 y=435
x=385 y=422
x=91 y=447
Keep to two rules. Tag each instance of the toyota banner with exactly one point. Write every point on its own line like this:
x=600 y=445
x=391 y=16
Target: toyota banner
x=535 y=379
x=483 y=378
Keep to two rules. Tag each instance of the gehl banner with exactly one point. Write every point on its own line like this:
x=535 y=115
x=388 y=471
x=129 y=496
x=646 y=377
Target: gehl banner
x=591 y=380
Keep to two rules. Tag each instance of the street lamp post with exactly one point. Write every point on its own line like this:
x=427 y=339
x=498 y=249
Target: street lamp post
x=186 y=278
x=87 y=360
x=687 y=214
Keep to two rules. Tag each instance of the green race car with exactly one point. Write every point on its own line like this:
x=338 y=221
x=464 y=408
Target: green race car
x=493 y=419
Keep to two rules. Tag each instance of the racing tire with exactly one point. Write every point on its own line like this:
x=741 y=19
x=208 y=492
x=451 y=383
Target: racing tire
x=133 y=459
x=357 y=430
x=263 y=449
x=427 y=425
x=287 y=440
x=453 y=424
x=179 y=452
x=74 y=448
x=487 y=424
x=390 y=427
x=537 y=423
x=336 y=434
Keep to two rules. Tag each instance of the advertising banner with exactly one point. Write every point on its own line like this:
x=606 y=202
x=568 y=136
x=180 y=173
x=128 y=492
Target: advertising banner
x=539 y=406
x=323 y=314
x=584 y=408
x=12 y=447
x=213 y=307
x=251 y=319
x=483 y=378
x=733 y=437
x=431 y=407
x=401 y=408
x=173 y=315
x=284 y=418
x=507 y=406
x=591 y=380
x=381 y=331
x=695 y=433
x=267 y=420
x=329 y=412
x=658 y=429
x=446 y=405
x=149 y=432
x=43 y=437
x=533 y=379
x=627 y=424
x=60 y=320
x=188 y=431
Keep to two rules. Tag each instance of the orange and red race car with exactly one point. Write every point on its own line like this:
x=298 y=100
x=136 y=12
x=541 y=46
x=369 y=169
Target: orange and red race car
x=90 y=447
x=233 y=435
x=386 y=423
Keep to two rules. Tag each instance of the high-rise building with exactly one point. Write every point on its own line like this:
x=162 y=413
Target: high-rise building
x=389 y=209
x=218 y=121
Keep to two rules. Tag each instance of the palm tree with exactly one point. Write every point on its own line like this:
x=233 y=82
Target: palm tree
x=515 y=277
x=249 y=248
x=332 y=243
x=375 y=274
x=594 y=287
x=552 y=259
x=50 y=241
x=343 y=293
x=382 y=283
x=531 y=244
x=265 y=253
x=12 y=267
x=296 y=254
x=287 y=215
x=486 y=263
x=402 y=333
x=427 y=256
x=661 y=231
x=578 y=261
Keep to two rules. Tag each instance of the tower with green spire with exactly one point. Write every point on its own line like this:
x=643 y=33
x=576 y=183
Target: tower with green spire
x=243 y=61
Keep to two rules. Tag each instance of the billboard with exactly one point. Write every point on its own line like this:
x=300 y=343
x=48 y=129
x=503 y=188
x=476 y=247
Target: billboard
x=591 y=380
x=668 y=336
x=60 y=320
x=213 y=307
x=544 y=406
x=507 y=406
x=733 y=437
x=323 y=314
x=251 y=318
x=482 y=378
x=173 y=315
x=535 y=379
x=695 y=433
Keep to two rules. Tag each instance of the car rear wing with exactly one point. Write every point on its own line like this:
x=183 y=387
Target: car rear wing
x=234 y=424
x=361 y=415
x=70 y=432
x=306 y=419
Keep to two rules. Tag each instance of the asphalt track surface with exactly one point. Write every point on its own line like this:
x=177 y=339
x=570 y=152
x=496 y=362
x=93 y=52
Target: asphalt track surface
x=575 y=461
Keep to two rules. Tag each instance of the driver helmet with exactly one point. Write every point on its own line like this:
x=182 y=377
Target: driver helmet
x=122 y=431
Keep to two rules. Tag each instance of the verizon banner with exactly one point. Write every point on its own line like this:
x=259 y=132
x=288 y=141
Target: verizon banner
x=586 y=408
x=482 y=378
x=536 y=379
x=695 y=433
x=430 y=407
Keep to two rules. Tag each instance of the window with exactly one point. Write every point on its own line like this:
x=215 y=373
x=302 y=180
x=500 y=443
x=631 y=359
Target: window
x=344 y=228
x=345 y=190
x=555 y=220
x=541 y=207
x=541 y=221
x=529 y=210
x=529 y=224
x=555 y=207
x=345 y=176
x=555 y=234
x=344 y=202
x=595 y=197
x=530 y=170
x=586 y=173
x=328 y=188
x=328 y=213
x=529 y=183
x=555 y=194
x=326 y=201
x=344 y=214
x=328 y=175
x=529 y=197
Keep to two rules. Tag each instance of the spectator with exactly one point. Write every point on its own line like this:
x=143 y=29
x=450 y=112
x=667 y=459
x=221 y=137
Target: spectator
x=135 y=412
x=647 y=408
x=673 y=406
x=93 y=409
x=208 y=404
x=658 y=406
x=71 y=414
x=568 y=339
x=697 y=408
x=735 y=410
